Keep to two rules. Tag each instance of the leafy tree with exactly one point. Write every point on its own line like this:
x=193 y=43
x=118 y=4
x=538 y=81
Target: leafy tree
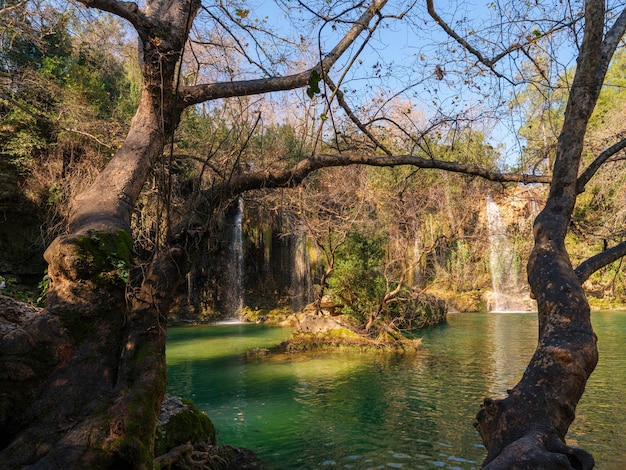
x=358 y=282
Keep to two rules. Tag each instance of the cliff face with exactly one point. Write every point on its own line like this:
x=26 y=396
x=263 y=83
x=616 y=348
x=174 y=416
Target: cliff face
x=253 y=261
x=21 y=245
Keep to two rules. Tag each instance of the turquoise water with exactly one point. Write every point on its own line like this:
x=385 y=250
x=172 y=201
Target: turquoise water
x=361 y=411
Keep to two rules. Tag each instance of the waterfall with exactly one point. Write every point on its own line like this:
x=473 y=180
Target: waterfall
x=507 y=295
x=301 y=283
x=232 y=300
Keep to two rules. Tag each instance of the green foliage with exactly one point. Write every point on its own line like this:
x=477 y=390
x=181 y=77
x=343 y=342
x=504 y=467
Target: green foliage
x=43 y=287
x=314 y=84
x=358 y=281
x=64 y=105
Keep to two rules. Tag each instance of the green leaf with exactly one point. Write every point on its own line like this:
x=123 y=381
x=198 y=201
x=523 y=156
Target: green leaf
x=241 y=13
x=314 y=87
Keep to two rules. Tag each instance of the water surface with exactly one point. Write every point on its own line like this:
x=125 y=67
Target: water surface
x=360 y=411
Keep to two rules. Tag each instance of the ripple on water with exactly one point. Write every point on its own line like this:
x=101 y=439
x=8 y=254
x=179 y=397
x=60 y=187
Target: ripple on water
x=372 y=411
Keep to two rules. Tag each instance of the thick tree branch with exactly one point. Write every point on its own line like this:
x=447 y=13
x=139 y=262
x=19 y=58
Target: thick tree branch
x=293 y=176
x=611 y=40
x=127 y=10
x=593 y=264
x=199 y=93
x=609 y=44
x=593 y=168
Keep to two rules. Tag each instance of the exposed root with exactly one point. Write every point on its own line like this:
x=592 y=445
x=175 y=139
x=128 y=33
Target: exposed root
x=202 y=456
x=537 y=451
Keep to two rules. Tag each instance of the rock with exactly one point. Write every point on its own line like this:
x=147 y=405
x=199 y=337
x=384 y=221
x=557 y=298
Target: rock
x=186 y=438
x=14 y=314
x=181 y=422
x=318 y=324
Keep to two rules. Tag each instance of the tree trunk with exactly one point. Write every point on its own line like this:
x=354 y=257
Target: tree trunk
x=91 y=377
x=96 y=354
x=526 y=430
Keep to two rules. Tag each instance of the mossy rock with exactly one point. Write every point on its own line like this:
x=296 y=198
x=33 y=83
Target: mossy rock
x=345 y=340
x=181 y=422
x=605 y=303
x=267 y=316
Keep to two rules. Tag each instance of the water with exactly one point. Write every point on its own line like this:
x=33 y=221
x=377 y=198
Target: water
x=505 y=268
x=232 y=302
x=359 y=411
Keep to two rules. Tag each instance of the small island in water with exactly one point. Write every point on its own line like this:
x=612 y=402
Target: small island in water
x=324 y=326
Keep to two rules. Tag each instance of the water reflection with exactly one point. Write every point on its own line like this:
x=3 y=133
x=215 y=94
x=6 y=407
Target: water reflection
x=370 y=410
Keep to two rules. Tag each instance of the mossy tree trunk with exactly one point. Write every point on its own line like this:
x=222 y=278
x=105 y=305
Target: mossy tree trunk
x=97 y=352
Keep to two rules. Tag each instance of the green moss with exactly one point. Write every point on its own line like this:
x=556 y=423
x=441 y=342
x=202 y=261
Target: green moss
x=186 y=425
x=605 y=303
x=135 y=444
x=339 y=341
x=108 y=254
x=343 y=333
x=265 y=315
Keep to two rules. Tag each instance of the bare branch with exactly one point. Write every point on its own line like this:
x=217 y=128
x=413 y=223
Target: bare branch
x=198 y=93
x=489 y=63
x=593 y=264
x=344 y=105
x=42 y=118
x=12 y=7
x=236 y=40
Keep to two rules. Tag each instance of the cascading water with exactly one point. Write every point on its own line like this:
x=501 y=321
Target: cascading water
x=232 y=301
x=301 y=283
x=507 y=293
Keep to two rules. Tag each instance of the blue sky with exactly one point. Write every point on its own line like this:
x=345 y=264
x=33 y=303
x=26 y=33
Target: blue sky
x=405 y=56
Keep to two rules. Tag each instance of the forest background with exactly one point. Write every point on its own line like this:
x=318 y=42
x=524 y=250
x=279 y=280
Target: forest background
x=71 y=83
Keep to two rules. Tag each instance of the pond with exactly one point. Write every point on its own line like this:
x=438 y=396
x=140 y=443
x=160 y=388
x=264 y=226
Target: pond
x=361 y=411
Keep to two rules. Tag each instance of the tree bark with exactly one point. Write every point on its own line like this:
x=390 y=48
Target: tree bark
x=96 y=355
x=526 y=430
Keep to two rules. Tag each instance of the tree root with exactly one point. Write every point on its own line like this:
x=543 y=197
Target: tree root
x=535 y=451
x=203 y=456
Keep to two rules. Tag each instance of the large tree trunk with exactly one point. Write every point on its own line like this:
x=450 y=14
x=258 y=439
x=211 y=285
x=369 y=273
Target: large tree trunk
x=526 y=430
x=96 y=358
x=82 y=382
